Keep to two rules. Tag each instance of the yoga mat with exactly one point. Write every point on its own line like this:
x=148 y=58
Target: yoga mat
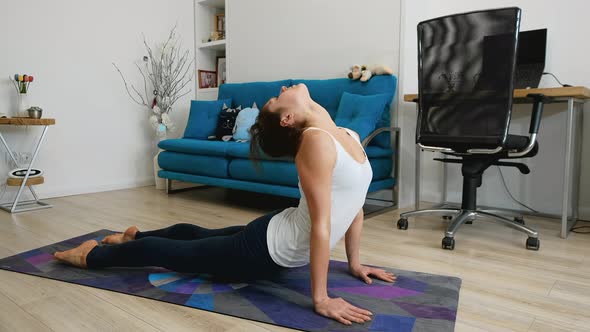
x=415 y=302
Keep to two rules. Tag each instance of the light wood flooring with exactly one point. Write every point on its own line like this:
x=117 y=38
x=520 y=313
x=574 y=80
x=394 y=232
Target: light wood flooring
x=505 y=287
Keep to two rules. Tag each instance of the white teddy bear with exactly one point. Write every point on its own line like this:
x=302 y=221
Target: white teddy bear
x=364 y=73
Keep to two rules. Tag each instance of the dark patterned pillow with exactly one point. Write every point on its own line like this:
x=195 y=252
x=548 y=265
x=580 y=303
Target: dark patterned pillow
x=226 y=123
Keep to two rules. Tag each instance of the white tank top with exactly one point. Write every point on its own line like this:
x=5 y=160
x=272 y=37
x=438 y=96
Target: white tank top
x=289 y=231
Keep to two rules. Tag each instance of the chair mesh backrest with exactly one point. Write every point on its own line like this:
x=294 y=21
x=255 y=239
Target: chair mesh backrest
x=466 y=66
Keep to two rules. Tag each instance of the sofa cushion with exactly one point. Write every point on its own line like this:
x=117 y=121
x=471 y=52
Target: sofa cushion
x=194 y=164
x=238 y=149
x=195 y=146
x=242 y=150
x=381 y=167
x=265 y=188
x=246 y=94
x=378 y=152
x=274 y=172
x=244 y=121
x=361 y=113
x=202 y=119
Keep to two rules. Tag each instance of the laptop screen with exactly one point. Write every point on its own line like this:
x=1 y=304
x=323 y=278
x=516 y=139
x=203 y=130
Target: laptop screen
x=530 y=61
x=532 y=46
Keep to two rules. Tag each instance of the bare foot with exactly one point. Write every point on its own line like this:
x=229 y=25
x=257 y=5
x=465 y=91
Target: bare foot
x=76 y=256
x=118 y=238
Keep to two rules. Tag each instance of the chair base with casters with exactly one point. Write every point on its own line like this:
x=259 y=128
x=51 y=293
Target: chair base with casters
x=472 y=169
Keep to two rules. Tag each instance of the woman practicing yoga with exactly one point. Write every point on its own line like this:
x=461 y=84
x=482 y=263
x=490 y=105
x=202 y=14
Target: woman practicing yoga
x=334 y=176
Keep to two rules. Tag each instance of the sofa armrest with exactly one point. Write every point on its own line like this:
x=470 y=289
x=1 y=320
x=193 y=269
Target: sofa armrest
x=378 y=131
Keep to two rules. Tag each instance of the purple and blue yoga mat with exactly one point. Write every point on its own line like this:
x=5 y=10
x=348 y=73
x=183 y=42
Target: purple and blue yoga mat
x=415 y=302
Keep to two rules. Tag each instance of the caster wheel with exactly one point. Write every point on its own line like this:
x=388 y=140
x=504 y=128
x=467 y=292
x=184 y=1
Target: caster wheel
x=402 y=224
x=447 y=217
x=533 y=243
x=519 y=220
x=448 y=243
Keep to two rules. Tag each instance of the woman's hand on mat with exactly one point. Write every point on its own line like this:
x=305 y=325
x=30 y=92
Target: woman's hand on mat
x=342 y=311
x=363 y=272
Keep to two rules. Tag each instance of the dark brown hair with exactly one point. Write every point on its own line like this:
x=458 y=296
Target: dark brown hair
x=274 y=140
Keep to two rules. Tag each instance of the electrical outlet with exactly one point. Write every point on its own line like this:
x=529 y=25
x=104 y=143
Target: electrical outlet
x=22 y=158
x=26 y=158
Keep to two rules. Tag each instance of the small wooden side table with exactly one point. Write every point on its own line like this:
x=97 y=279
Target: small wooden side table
x=34 y=204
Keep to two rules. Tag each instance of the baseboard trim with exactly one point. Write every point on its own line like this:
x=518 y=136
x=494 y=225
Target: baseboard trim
x=80 y=190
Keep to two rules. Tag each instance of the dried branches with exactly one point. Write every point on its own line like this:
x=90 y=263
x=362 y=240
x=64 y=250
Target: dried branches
x=168 y=70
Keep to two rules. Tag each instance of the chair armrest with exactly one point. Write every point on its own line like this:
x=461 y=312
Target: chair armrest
x=538 y=102
x=376 y=132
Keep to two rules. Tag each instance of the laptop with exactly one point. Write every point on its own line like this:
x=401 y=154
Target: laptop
x=530 y=62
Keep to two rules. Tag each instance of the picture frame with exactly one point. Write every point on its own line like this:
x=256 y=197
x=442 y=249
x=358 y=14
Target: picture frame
x=220 y=22
x=207 y=79
x=221 y=70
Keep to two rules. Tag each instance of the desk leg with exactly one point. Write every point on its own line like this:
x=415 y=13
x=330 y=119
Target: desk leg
x=577 y=160
x=567 y=169
x=417 y=178
x=444 y=184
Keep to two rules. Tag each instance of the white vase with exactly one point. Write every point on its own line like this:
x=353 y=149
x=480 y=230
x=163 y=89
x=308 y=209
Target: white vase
x=22 y=105
x=160 y=183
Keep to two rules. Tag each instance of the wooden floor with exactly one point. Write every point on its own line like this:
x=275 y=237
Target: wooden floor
x=505 y=287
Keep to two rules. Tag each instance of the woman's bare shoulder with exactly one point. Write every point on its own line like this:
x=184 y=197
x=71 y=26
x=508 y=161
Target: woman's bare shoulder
x=316 y=145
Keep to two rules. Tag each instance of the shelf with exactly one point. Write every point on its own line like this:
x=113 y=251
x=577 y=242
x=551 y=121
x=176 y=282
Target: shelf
x=30 y=182
x=218 y=45
x=212 y=3
x=27 y=122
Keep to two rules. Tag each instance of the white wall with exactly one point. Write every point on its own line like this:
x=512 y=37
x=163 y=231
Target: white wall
x=102 y=140
x=567 y=58
x=271 y=40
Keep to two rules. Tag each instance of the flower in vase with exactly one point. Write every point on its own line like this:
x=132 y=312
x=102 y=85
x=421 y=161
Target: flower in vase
x=156 y=109
x=161 y=130
x=167 y=121
x=154 y=121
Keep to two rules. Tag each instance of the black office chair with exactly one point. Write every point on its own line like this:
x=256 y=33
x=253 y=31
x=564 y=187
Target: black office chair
x=466 y=65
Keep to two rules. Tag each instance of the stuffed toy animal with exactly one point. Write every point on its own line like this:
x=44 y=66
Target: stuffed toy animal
x=364 y=73
x=226 y=123
x=246 y=118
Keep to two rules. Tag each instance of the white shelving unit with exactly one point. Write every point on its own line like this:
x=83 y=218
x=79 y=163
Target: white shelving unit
x=220 y=4
x=218 y=45
x=206 y=51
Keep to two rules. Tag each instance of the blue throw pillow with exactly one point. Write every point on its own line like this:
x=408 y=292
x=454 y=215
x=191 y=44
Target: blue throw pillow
x=244 y=121
x=202 y=119
x=361 y=113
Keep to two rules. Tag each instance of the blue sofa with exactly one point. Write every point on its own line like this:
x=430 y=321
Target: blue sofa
x=227 y=164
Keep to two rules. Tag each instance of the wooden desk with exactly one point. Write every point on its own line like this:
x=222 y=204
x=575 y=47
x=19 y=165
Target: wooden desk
x=578 y=92
x=35 y=204
x=575 y=97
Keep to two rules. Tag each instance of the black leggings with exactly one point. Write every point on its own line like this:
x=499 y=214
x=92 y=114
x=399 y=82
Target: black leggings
x=233 y=252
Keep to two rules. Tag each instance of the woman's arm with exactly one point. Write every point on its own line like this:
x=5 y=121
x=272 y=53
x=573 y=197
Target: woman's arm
x=352 y=241
x=315 y=163
x=353 y=246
